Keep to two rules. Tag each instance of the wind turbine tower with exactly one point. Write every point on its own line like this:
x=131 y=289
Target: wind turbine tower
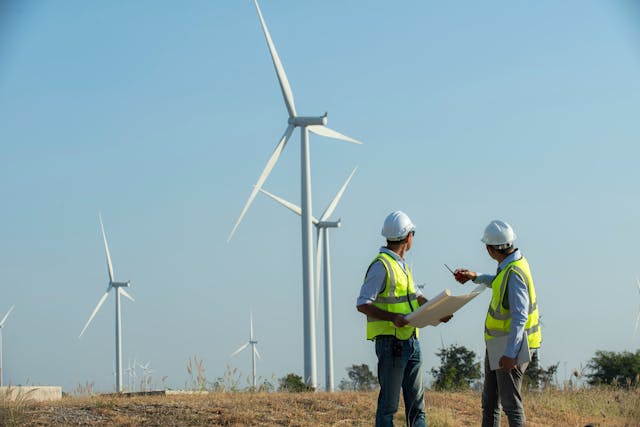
x=322 y=227
x=635 y=331
x=118 y=286
x=4 y=319
x=254 y=353
x=306 y=124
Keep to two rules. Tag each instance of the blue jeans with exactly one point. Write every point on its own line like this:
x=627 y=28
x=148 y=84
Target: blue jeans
x=399 y=367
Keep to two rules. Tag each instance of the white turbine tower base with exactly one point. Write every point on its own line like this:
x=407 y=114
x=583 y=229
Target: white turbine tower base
x=322 y=228
x=4 y=319
x=306 y=124
x=119 y=291
x=254 y=353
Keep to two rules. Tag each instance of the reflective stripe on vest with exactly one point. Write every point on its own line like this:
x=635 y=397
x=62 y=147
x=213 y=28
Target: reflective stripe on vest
x=398 y=296
x=498 y=321
x=495 y=333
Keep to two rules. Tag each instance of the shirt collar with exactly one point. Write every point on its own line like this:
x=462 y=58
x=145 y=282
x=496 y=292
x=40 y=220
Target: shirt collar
x=392 y=254
x=514 y=256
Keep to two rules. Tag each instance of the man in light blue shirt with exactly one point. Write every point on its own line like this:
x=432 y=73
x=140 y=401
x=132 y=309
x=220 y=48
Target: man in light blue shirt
x=518 y=297
x=386 y=296
x=502 y=386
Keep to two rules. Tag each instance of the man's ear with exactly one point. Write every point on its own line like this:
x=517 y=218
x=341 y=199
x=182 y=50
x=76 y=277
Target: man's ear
x=490 y=251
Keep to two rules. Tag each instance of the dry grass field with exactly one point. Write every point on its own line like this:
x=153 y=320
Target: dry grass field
x=599 y=407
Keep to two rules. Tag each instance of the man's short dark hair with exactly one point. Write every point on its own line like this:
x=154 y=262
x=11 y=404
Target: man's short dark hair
x=504 y=251
x=399 y=242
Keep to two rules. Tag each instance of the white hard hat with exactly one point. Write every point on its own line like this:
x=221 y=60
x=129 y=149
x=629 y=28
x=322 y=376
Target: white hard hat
x=397 y=225
x=499 y=234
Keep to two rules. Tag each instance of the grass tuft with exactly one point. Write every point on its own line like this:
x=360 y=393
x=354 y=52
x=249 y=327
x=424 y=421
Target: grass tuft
x=14 y=405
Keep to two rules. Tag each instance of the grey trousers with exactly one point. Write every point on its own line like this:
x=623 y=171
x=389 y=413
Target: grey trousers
x=502 y=388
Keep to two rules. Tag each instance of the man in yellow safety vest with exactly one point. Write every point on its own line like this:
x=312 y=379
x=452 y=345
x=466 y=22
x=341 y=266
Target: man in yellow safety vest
x=386 y=296
x=512 y=313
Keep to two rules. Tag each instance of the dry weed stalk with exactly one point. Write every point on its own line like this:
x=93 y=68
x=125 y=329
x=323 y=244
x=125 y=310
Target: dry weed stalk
x=199 y=383
x=13 y=406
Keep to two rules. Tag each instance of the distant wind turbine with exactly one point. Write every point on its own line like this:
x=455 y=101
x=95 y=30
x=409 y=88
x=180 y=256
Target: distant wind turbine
x=131 y=375
x=146 y=378
x=322 y=236
x=306 y=124
x=4 y=319
x=119 y=291
x=254 y=353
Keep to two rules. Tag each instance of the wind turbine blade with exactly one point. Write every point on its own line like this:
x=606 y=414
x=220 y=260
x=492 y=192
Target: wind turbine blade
x=102 y=300
x=319 y=241
x=265 y=173
x=106 y=248
x=330 y=133
x=287 y=94
x=255 y=350
x=240 y=349
x=5 y=316
x=125 y=294
x=638 y=282
x=635 y=331
x=291 y=206
x=332 y=206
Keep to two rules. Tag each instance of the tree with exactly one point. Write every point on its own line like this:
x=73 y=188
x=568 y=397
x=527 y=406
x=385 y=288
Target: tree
x=360 y=378
x=536 y=377
x=293 y=383
x=457 y=369
x=608 y=367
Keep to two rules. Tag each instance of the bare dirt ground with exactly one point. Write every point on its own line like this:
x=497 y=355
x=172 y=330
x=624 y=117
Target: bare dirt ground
x=553 y=408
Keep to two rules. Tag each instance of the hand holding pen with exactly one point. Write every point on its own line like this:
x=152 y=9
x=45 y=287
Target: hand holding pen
x=462 y=275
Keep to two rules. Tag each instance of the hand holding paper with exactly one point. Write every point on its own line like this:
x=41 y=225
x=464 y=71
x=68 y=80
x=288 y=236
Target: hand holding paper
x=440 y=307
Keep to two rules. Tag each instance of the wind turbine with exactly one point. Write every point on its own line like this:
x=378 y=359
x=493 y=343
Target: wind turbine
x=146 y=378
x=254 y=353
x=130 y=373
x=4 y=319
x=306 y=124
x=322 y=236
x=119 y=291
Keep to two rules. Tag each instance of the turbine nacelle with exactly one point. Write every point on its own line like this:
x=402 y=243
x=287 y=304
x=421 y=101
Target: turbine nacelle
x=328 y=224
x=126 y=284
x=303 y=121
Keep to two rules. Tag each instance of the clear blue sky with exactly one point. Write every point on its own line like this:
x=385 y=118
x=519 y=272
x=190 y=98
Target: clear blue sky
x=161 y=115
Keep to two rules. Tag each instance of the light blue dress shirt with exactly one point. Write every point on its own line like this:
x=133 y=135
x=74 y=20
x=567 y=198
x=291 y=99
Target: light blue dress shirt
x=518 y=303
x=376 y=277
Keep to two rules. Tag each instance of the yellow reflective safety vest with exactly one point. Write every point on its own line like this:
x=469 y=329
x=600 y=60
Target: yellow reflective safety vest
x=498 y=321
x=398 y=296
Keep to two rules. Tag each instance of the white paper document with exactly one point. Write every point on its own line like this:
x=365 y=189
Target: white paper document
x=442 y=305
x=496 y=347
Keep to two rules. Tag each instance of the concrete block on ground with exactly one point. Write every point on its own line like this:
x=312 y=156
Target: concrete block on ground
x=31 y=393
